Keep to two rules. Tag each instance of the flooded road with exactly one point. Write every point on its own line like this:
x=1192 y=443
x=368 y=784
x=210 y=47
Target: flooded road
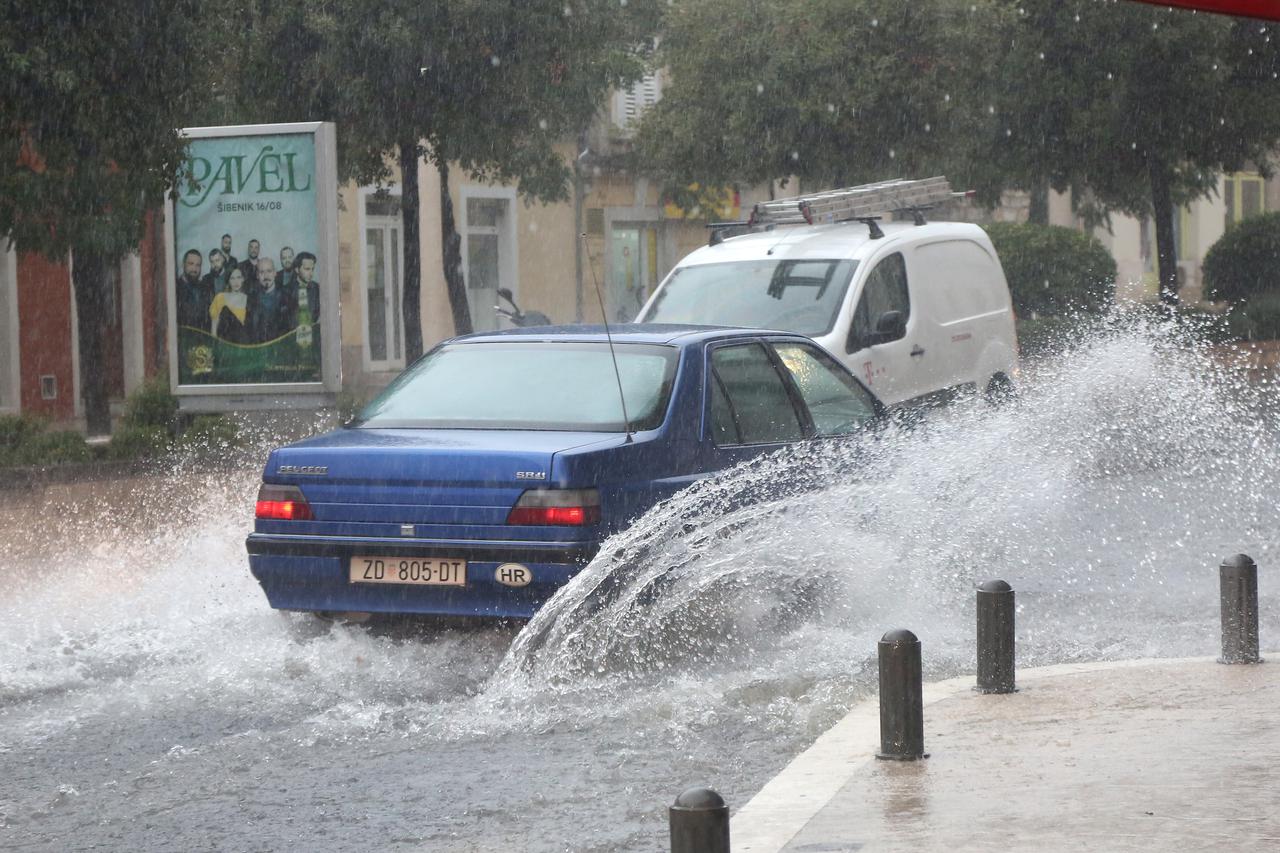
x=150 y=700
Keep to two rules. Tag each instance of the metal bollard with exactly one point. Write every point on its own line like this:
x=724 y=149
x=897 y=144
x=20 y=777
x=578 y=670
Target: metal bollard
x=699 y=822
x=995 y=638
x=1238 y=585
x=901 y=697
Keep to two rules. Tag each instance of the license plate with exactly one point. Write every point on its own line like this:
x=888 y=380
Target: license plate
x=424 y=571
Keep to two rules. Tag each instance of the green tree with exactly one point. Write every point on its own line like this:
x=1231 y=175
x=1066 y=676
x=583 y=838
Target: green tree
x=1134 y=108
x=90 y=96
x=489 y=85
x=834 y=92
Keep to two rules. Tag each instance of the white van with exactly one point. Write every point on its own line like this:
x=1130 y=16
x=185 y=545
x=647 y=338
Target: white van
x=920 y=312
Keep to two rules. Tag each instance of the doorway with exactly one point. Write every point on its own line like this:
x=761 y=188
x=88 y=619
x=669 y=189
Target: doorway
x=633 y=268
x=383 y=250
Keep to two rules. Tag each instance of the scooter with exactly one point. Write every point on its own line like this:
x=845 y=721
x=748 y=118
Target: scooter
x=518 y=317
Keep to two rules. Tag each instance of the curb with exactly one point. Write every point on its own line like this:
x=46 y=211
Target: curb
x=782 y=808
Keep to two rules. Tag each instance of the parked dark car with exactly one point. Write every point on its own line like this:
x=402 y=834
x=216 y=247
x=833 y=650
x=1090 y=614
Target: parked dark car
x=489 y=472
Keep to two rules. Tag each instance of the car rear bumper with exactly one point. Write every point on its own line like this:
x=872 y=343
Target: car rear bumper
x=311 y=573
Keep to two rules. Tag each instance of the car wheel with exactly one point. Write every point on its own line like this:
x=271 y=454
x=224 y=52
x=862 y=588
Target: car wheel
x=1000 y=390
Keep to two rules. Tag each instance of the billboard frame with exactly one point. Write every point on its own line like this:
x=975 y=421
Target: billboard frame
x=270 y=395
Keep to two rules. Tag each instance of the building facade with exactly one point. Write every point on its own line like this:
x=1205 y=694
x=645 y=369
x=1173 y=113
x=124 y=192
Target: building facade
x=39 y=347
x=1132 y=240
x=598 y=254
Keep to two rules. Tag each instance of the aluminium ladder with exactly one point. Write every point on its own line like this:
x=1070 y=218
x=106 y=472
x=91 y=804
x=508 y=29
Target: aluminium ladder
x=853 y=203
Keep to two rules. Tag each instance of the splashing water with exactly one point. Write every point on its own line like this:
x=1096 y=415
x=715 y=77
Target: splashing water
x=712 y=640
x=128 y=596
x=1106 y=494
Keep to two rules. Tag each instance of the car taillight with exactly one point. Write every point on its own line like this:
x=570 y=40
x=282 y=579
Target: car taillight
x=572 y=507
x=282 y=502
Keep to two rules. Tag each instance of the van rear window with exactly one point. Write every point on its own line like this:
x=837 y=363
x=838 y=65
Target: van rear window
x=802 y=296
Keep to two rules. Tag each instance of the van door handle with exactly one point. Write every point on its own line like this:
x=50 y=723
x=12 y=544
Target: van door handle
x=917 y=350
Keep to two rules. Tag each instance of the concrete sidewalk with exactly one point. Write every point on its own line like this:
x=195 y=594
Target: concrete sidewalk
x=1143 y=755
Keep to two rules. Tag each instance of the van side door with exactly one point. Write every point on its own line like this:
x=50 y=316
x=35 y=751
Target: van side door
x=884 y=346
x=963 y=288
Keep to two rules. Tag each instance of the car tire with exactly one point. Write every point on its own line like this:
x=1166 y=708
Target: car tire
x=1000 y=390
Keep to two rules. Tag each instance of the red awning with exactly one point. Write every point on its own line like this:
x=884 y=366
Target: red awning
x=1269 y=9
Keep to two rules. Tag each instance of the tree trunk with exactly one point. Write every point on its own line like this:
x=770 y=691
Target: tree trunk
x=579 y=229
x=160 y=312
x=451 y=242
x=1038 y=209
x=89 y=277
x=1166 y=249
x=411 y=211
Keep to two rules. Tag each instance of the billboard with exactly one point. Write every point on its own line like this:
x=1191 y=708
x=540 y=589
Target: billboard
x=252 y=239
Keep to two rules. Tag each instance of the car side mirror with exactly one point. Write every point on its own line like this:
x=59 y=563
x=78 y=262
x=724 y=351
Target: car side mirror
x=505 y=293
x=890 y=326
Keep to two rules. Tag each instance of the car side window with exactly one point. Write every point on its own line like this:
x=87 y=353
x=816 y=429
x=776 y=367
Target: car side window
x=724 y=425
x=837 y=402
x=749 y=399
x=884 y=292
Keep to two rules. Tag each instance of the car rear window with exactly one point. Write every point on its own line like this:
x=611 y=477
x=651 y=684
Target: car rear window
x=802 y=296
x=528 y=385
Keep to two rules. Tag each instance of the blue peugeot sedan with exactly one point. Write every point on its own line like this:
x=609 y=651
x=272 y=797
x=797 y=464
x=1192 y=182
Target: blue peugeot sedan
x=489 y=472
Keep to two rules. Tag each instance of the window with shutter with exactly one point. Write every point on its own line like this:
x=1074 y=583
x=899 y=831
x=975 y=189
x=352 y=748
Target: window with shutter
x=631 y=103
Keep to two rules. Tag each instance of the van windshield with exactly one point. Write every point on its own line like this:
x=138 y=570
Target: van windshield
x=800 y=296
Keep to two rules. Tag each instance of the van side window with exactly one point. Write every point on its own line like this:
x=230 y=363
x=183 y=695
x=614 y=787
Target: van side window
x=749 y=399
x=885 y=291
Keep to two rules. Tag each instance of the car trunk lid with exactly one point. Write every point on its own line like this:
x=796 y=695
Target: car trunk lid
x=423 y=483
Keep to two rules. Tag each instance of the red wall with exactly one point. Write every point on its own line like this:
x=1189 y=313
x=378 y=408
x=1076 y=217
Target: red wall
x=44 y=335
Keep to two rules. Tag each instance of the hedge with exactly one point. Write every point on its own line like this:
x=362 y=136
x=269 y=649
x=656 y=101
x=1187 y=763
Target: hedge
x=152 y=404
x=1054 y=271
x=1245 y=262
x=27 y=440
x=1257 y=319
x=150 y=429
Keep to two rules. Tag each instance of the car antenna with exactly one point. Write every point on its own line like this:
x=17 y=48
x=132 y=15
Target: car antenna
x=626 y=421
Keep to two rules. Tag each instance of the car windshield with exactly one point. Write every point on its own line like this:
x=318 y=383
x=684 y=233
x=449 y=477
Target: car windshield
x=528 y=385
x=800 y=296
